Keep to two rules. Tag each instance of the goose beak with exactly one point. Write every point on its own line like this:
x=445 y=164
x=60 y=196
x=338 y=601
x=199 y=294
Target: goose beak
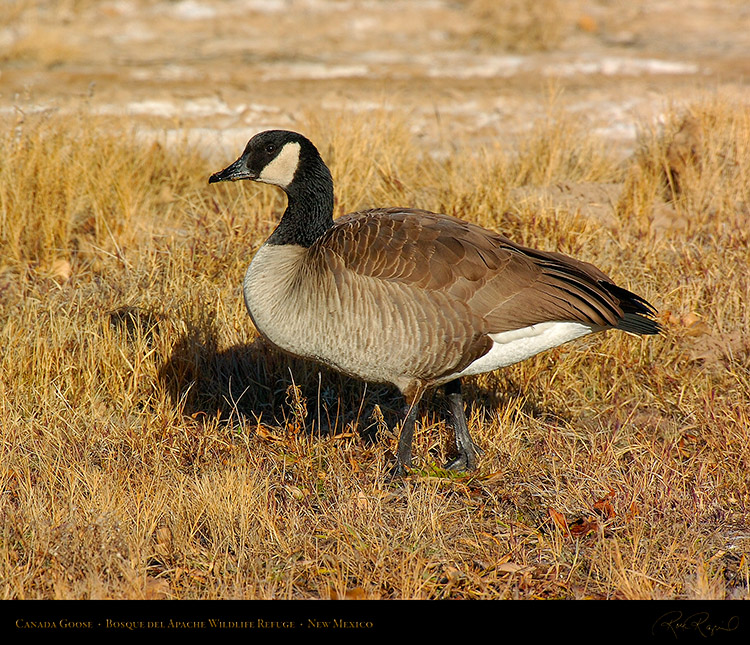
x=234 y=172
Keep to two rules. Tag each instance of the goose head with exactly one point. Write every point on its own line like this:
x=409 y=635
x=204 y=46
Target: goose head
x=291 y=162
x=272 y=157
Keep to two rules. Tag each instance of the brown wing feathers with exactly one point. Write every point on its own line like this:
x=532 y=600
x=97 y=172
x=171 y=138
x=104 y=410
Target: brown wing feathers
x=508 y=285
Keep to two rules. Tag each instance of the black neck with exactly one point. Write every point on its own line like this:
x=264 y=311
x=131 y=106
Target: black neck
x=309 y=211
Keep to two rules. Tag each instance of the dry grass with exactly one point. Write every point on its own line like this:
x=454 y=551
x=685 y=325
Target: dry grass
x=153 y=448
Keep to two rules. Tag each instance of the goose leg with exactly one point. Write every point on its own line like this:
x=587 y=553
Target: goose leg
x=405 y=438
x=468 y=451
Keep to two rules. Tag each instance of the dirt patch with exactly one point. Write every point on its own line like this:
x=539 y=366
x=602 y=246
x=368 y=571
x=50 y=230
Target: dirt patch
x=220 y=71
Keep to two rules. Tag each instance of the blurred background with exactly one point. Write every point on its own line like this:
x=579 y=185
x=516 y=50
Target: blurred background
x=217 y=71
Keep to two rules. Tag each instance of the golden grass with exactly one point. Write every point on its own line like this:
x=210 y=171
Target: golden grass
x=152 y=447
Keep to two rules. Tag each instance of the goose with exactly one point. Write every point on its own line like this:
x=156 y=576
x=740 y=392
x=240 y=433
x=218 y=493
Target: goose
x=408 y=297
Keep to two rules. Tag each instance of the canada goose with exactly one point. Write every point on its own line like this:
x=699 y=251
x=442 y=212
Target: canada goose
x=409 y=297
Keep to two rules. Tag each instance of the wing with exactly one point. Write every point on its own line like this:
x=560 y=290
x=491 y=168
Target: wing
x=506 y=285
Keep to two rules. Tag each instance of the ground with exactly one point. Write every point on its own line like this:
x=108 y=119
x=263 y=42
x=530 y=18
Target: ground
x=457 y=69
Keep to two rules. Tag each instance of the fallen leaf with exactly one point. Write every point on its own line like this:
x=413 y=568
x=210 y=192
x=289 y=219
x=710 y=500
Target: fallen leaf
x=265 y=433
x=694 y=325
x=690 y=319
x=633 y=511
x=559 y=519
x=670 y=317
x=512 y=567
x=453 y=575
x=61 y=269
x=295 y=491
x=357 y=593
x=604 y=506
x=582 y=527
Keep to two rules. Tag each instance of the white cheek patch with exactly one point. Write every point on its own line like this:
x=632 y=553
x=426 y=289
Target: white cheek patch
x=280 y=171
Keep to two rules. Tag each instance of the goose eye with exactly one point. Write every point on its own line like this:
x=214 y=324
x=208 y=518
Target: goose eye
x=270 y=147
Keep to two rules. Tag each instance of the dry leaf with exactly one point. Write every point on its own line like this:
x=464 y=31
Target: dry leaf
x=633 y=511
x=512 y=567
x=694 y=326
x=582 y=527
x=361 y=501
x=604 y=506
x=265 y=433
x=559 y=519
x=577 y=528
x=295 y=491
x=357 y=593
x=61 y=269
x=354 y=464
x=690 y=319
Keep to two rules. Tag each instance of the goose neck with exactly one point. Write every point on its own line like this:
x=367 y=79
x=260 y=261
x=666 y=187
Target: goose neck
x=309 y=211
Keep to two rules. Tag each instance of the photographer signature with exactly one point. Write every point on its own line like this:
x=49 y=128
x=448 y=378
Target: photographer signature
x=676 y=623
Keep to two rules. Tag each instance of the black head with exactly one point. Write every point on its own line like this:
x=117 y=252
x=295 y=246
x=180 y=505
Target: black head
x=288 y=160
x=273 y=157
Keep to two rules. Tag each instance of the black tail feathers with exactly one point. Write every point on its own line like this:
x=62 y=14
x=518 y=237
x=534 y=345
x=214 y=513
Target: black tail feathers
x=637 y=313
x=639 y=324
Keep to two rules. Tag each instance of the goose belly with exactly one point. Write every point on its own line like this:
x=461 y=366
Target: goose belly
x=517 y=345
x=277 y=306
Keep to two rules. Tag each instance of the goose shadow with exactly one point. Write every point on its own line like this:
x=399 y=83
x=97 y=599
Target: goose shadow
x=257 y=382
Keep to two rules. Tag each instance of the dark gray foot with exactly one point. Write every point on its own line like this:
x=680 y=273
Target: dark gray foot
x=403 y=454
x=468 y=451
x=465 y=460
